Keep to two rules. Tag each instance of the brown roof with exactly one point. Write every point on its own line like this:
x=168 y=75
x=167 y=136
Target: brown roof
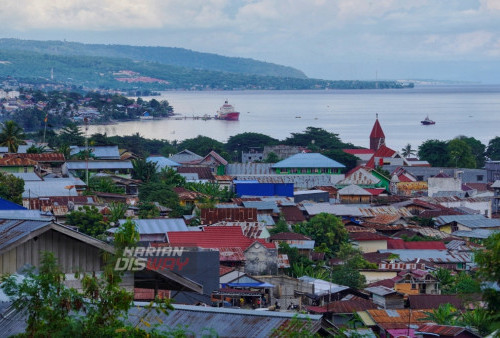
x=47 y=202
x=44 y=157
x=204 y=173
x=214 y=215
x=444 y=330
x=292 y=214
x=223 y=177
x=366 y=236
x=284 y=236
x=376 y=257
x=399 y=316
x=433 y=301
x=332 y=191
x=388 y=283
x=357 y=228
x=185 y=194
x=16 y=162
x=385 y=219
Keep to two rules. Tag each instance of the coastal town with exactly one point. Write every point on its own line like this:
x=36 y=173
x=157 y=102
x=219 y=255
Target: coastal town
x=273 y=240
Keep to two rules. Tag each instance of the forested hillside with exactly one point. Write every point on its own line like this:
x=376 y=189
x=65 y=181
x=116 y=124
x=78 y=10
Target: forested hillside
x=164 y=55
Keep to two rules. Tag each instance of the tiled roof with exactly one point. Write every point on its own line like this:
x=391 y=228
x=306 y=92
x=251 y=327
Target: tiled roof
x=420 y=245
x=204 y=173
x=185 y=194
x=375 y=191
x=44 y=157
x=308 y=160
x=388 y=283
x=225 y=269
x=216 y=156
x=382 y=152
x=215 y=237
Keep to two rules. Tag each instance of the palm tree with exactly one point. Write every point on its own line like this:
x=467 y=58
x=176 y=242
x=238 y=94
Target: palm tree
x=11 y=136
x=407 y=151
x=445 y=314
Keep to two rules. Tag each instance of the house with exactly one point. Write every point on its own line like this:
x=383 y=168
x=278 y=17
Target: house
x=480 y=204
x=260 y=257
x=414 y=282
x=162 y=162
x=363 y=155
x=323 y=291
x=50 y=187
x=444 y=183
x=196 y=174
x=215 y=162
x=58 y=206
x=188 y=198
x=155 y=230
x=97 y=166
x=47 y=162
x=457 y=260
x=340 y=312
x=422 y=174
x=368 y=242
x=452 y=223
x=492 y=171
x=307 y=164
x=386 y=298
x=354 y=194
x=292 y=214
x=185 y=156
x=214 y=215
x=392 y=323
x=18 y=165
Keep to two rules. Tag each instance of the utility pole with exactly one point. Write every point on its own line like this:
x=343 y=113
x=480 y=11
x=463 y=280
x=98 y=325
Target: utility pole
x=86 y=121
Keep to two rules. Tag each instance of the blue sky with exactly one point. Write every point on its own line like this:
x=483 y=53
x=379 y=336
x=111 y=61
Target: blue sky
x=331 y=39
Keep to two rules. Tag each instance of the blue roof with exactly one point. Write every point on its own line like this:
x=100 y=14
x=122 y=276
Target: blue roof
x=162 y=162
x=156 y=226
x=308 y=160
x=8 y=205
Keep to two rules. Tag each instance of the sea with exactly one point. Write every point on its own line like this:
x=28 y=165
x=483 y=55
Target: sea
x=470 y=110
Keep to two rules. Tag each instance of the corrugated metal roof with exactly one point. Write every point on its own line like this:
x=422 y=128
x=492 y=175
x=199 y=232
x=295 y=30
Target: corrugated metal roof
x=443 y=330
x=380 y=290
x=299 y=181
x=261 y=205
x=353 y=190
x=225 y=322
x=237 y=169
x=468 y=175
x=436 y=256
x=27 y=176
x=51 y=187
x=157 y=226
x=322 y=287
x=266 y=219
x=185 y=156
x=308 y=160
x=100 y=152
x=476 y=233
x=334 y=209
x=162 y=162
x=13 y=230
x=214 y=215
x=97 y=165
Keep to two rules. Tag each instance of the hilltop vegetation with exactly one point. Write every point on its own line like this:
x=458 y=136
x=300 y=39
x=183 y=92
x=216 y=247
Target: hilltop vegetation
x=153 y=68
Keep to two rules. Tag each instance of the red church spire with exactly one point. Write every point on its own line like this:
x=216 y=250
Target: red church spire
x=377 y=137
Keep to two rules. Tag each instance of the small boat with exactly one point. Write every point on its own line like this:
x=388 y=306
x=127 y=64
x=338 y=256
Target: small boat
x=427 y=121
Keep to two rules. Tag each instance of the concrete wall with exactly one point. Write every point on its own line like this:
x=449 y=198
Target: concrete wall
x=371 y=246
x=261 y=260
x=285 y=288
x=436 y=184
x=374 y=276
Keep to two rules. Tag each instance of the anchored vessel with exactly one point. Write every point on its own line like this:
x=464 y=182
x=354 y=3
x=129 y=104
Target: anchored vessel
x=226 y=112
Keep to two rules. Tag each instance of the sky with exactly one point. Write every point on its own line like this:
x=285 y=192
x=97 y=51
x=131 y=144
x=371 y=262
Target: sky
x=451 y=40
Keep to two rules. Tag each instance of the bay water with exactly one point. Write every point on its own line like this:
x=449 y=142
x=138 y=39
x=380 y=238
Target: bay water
x=470 y=110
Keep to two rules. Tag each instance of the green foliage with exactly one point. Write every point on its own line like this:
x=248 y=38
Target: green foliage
x=71 y=135
x=11 y=188
x=435 y=152
x=171 y=177
x=148 y=210
x=144 y=171
x=202 y=145
x=324 y=228
x=460 y=154
x=280 y=226
x=477 y=148
x=318 y=137
x=35 y=149
x=349 y=160
x=271 y=158
x=424 y=221
x=88 y=219
x=11 y=136
x=419 y=238
x=104 y=184
x=493 y=150
x=407 y=151
x=348 y=273
x=296 y=328
x=445 y=314
x=117 y=211
x=445 y=279
x=294 y=257
x=213 y=191
x=245 y=141
x=161 y=193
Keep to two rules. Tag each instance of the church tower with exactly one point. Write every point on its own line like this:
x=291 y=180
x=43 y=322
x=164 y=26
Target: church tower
x=377 y=137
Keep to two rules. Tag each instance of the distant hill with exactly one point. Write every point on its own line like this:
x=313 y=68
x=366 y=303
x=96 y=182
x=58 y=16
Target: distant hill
x=151 y=68
x=164 y=55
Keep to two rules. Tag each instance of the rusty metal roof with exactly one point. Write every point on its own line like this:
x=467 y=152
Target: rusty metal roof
x=44 y=157
x=16 y=161
x=400 y=316
x=214 y=215
x=444 y=330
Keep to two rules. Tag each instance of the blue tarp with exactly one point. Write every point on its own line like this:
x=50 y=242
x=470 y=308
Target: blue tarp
x=8 y=205
x=264 y=189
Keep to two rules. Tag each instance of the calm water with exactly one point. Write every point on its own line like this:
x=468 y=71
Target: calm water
x=458 y=110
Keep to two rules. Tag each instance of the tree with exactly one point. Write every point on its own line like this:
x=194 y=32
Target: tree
x=445 y=314
x=245 y=141
x=35 y=150
x=171 y=177
x=460 y=154
x=104 y=184
x=71 y=135
x=350 y=161
x=271 y=158
x=148 y=210
x=317 y=137
x=11 y=188
x=435 y=152
x=324 y=228
x=348 y=273
x=144 y=171
x=202 y=145
x=88 y=219
x=493 y=150
x=477 y=148
x=488 y=261
x=163 y=194
x=279 y=227
x=11 y=136
x=407 y=151
x=117 y=212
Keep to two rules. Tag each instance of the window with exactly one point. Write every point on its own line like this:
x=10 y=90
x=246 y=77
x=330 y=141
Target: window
x=25 y=169
x=414 y=286
x=480 y=177
x=420 y=178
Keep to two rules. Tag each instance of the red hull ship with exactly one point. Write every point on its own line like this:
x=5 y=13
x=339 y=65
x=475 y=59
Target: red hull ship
x=226 y=112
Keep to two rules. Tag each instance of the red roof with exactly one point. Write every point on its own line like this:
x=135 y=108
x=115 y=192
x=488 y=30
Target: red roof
x=382 y=152
x=404 y=178
x=375 y=191
x=225 y=269
x=358 y=151
x=425 y=245
x=395 y=243
x=377 y=131
x=215 y=237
